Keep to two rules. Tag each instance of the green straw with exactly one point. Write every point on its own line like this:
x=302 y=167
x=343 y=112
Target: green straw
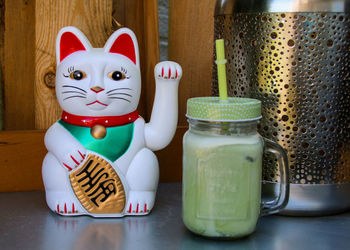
x=220 y=62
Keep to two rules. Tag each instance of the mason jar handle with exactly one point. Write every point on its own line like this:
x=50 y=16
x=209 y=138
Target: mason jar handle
x=282 y=199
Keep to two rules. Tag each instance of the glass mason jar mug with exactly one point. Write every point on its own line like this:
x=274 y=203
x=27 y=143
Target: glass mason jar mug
x=222 y=168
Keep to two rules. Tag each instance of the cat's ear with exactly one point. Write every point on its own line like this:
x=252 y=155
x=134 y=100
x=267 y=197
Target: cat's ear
x=70 y=40
x=124 y=42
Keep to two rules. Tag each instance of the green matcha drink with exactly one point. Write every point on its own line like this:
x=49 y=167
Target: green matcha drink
x=222 y=165
x=221 y=183
x=222 y=162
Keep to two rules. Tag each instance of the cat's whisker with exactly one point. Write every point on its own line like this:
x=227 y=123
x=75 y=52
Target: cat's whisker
x=117 y=89
x=74 y=96
x=76 y=92
x=120 y=98
x=70 y=86
x=119 y=94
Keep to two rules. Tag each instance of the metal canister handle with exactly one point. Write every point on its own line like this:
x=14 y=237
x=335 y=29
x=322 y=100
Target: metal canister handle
x=282 y=199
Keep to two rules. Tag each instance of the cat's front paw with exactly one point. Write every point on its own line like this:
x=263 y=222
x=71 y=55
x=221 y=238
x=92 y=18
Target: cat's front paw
x=140 y=202
x=168 y=70
x=74 y=159
x=66 y=208
x=64 y=203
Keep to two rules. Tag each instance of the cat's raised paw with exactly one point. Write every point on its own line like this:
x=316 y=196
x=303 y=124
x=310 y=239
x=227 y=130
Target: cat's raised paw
x=168 y=70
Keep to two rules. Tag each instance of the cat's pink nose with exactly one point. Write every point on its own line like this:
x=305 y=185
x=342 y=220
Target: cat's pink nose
x=97 y=89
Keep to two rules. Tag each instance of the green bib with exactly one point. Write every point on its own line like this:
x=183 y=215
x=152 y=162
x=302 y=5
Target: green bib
x=112 y=146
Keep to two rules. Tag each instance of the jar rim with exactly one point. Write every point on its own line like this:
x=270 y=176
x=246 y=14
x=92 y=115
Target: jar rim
x=222 y=120
x=211 y=108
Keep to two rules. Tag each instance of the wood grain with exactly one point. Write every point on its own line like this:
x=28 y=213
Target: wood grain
x=191 y=33
x=2 y=38
x=18 y=64
x=21 y=155
x=151 y=53
x=93 y=18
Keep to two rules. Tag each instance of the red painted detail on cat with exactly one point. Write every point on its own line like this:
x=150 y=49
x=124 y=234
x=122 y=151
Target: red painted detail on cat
x=137 y=208
x=65 y=208
x=162 y=72
x=145 y=207
x=73 y=208
x=82 y=156
x=69 y=168
x=97 y=102
x=130 y=208
x=76 y=162
x=58 y=208
x=107 y=121
x=125 y=46
x=97 y=90
x=169 y=72
x=69 y=44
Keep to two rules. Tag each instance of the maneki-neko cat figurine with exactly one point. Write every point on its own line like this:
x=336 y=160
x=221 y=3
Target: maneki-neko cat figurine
x=100 y=159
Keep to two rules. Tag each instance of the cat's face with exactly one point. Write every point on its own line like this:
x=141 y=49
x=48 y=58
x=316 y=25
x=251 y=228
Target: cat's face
x=97 y=81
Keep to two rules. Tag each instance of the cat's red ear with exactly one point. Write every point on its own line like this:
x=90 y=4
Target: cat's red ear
x=124 y=42
x=70 y=40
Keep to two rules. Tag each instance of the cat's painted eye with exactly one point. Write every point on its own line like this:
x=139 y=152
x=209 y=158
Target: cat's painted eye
x=77 y=75
x=117 y=75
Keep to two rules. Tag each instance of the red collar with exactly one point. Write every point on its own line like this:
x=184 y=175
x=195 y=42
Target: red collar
x=107 y=121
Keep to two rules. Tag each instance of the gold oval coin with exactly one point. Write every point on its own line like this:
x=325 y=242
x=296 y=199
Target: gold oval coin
x=98 y=131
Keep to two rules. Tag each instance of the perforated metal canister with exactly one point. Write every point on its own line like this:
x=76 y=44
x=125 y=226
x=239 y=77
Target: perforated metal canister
x=294 y=56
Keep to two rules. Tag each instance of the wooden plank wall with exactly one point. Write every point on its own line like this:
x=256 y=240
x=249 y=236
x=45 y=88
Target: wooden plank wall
x=191 y=33
x=18 y=64
x=21 y=155
x=34 y=32
x=2 y=37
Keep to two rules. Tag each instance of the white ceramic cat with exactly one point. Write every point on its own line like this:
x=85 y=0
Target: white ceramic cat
x=99 y=90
